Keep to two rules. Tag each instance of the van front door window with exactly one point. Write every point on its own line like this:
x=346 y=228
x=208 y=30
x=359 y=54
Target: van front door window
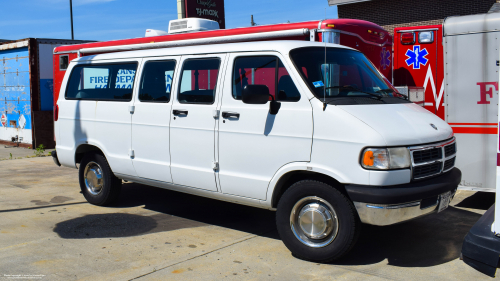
x=264 y=70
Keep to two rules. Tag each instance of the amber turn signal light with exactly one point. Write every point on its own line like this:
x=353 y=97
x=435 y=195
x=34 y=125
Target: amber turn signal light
x=368 y=158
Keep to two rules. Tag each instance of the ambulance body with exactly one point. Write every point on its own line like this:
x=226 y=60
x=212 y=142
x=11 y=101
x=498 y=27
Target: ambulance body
x=456 y=64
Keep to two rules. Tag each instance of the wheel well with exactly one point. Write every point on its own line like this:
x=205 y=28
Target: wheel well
x=290 y=178
x=84 y=148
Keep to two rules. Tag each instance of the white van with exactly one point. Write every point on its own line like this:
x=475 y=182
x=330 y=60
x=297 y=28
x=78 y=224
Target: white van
x=311 y=130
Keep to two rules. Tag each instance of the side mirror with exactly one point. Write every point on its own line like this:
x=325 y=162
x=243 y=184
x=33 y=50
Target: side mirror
x=255 y=94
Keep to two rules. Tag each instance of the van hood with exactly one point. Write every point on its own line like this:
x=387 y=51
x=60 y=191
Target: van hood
x=401 y=124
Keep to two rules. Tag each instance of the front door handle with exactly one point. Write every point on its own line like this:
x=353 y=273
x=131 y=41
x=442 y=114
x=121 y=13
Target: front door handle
x=227 y=114
x=180 y=112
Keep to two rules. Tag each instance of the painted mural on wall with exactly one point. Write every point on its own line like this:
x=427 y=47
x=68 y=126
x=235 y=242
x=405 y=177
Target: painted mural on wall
x=15 y=89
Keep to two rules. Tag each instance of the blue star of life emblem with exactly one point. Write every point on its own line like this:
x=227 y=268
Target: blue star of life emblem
x=416 y=57
x=385 y=60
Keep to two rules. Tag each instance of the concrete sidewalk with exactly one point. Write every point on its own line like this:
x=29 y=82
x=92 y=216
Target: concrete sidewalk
x=17 y=152
x=47 y=228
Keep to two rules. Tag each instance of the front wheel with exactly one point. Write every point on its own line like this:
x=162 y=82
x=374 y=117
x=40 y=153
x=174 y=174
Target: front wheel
x=98 y=183
x=317 y=222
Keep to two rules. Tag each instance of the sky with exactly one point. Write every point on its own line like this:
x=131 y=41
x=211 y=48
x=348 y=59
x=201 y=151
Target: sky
x=104 y=20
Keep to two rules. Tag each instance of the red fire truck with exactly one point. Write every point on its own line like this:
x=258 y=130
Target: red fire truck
x=452 y=70
x=367 y=37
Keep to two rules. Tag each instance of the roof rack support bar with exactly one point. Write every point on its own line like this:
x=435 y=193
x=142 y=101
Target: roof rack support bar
x=201 y=41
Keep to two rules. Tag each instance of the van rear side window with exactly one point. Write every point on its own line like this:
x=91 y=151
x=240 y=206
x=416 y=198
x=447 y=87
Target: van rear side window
x=156 y=83
x=111 y=82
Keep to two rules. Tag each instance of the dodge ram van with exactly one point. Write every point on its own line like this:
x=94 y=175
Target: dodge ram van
x=311 y=130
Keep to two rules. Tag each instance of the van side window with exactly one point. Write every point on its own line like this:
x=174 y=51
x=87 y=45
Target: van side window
x=113 y=82
x=264 y=70
x=198 y=81
x=156 y=83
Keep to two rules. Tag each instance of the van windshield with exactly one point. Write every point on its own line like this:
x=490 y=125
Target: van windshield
x=339 y=74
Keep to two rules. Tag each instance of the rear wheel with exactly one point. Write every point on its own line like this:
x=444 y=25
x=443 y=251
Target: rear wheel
x=98 y=183
x=317 y=222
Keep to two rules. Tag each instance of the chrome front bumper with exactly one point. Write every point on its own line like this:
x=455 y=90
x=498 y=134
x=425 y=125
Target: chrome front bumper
x=387 y=214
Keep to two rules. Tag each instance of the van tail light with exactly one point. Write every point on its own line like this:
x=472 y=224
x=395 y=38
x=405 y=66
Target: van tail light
x=56 y=112
x=408 y=38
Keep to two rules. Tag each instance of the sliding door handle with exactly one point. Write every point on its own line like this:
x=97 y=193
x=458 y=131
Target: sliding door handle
x=227 y=114
x=180 y=112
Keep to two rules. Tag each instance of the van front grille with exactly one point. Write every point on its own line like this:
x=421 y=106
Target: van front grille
x=449 y=150
x=433 y=159
x=448 y=164
x=428 y=155
x=427 y=170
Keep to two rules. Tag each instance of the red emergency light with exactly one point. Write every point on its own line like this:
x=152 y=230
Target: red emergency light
x=408 y=38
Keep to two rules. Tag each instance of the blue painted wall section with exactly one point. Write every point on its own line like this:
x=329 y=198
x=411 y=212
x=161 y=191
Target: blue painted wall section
x=15 y=88
x=46 y=94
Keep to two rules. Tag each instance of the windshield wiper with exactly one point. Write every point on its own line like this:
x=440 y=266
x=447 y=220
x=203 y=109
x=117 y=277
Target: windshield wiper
x=392 y=91
x=355 y=89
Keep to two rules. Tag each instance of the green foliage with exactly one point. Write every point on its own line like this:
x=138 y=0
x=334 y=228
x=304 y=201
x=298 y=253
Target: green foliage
x=39 y=150
x=10 y=156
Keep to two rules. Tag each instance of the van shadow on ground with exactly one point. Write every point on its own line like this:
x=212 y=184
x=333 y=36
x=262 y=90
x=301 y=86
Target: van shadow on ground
x=427 y=241
x=175 y=210
x=479 y=200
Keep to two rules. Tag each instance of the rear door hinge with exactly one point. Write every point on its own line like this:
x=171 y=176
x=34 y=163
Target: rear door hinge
x=131 y=108
x=216 y=113
x=215 y=165
x=131 y=153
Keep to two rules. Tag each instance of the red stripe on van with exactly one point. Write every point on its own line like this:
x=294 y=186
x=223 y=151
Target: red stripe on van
x=473 y=124
x=474 y=130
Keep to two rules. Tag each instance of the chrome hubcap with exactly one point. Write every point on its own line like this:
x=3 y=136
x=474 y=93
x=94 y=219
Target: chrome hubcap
x=94 y=180
x=314 y=222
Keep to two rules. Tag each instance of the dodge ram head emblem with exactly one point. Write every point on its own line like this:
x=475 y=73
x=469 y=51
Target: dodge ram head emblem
x=434 y=126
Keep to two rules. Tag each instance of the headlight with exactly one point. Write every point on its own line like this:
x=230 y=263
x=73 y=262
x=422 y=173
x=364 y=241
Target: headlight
x=386 y=158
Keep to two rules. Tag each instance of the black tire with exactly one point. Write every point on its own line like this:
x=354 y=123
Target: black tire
x=111 y=186
x=348 y=222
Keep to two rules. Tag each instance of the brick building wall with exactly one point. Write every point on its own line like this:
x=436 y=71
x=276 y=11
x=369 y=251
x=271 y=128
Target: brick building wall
x=398 y=13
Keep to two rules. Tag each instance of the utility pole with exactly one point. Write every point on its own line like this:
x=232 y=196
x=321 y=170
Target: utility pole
x=71 y=14
x=252 y=23
x=181 y=9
